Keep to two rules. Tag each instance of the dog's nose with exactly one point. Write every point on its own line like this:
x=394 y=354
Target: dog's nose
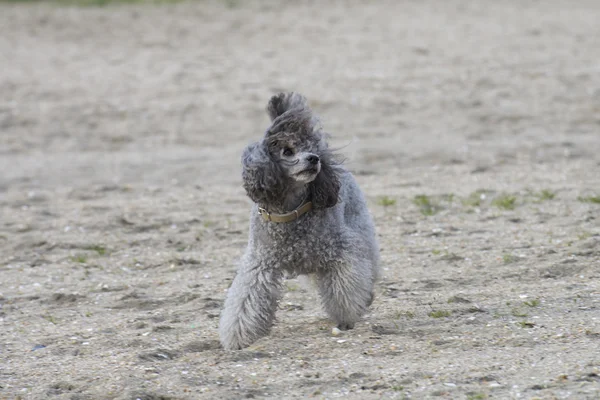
x=312 y=159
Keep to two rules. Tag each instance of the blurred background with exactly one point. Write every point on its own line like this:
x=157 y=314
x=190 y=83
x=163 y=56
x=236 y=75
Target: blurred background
x=400 y=83
x=472 y=126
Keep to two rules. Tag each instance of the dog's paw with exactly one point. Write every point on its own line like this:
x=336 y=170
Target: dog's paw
x=346 y=326
x=232 y=342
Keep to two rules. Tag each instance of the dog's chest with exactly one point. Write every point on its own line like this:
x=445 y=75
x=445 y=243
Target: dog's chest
x=303 y=247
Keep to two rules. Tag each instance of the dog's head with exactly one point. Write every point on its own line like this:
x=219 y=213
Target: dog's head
x=292 y=153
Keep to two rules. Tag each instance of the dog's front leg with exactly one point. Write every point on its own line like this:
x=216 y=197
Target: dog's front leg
x=346 y=292
x=250 y=305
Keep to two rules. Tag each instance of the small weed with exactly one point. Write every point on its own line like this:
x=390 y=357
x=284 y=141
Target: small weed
x=449 y=197
x=80 y=258
x=101 y=250
x=515 y=312
x=476 y=198
x=505 y=202
x=472 y=201
x=50 y=318
x=583 y=235
x=404 y=314
x=426 y=205
x=398 y=388
x=386 y=201
x=439 y=314
x=532 y=303
x=88 y=314
x=458 y=299
x=477 y=396
x=436 y=252
x=589 y=199
x=508 y=258
x=452 y=257
x=546 y=195
x=422 y=200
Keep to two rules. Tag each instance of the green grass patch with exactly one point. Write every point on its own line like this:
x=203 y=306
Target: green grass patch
x=452 y=257
x=426 y=205
x=589 y=199
x=79 y=258
x=101 y=250
x=449 y=197
x=505 y=202
x=508 y=258
x=515 y=312
x=404 y=314
x=476 y=396
x=546 y=194
x=583 y=235
x=458 y=299
x=386 y=201
x=532 y=303
x=440 y=314
x=476 y=198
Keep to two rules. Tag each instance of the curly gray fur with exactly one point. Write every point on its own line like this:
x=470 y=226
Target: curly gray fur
x=335 y=241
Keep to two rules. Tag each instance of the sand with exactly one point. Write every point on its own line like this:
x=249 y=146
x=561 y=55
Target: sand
x=123 y=216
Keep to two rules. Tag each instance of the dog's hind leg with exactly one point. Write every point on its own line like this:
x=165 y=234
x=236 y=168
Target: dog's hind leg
x=250 y=306
x=346 y=292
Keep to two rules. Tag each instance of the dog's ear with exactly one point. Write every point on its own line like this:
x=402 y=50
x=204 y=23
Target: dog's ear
x=326 y=186
x=262 y=177
x=283 y=102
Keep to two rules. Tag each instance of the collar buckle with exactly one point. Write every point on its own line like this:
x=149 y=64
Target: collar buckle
x=264 y=213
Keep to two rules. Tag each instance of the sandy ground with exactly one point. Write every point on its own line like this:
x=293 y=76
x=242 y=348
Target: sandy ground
x=122 y=212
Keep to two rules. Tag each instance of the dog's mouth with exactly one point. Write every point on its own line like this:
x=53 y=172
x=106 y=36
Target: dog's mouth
x=309 y=171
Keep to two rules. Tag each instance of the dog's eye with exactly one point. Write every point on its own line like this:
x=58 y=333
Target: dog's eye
x=288 y=152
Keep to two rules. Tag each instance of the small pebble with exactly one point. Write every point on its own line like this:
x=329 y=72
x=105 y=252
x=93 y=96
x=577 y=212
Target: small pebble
x=336 y=332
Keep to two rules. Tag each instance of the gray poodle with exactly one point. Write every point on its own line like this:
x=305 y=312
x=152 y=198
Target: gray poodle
x=309 y=217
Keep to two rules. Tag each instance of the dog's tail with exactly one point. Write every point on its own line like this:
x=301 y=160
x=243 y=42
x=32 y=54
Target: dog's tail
x=285 y=101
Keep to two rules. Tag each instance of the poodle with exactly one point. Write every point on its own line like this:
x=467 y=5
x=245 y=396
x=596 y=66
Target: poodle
x=309 y=217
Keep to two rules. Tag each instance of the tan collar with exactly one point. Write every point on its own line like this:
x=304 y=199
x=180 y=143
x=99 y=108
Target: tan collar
x=287 y=217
